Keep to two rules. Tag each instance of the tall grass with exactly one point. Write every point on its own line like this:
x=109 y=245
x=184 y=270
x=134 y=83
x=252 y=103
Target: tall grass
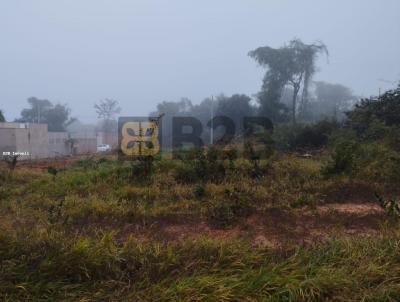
x=63 y=235
x=51 y=266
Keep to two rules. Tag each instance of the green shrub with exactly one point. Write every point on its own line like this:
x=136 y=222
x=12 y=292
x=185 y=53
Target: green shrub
x=378 y=163
x=142 y=170
x=229 y=211
x=343 y=159
x=308 y=136
x=201 y=165
x=315 y=135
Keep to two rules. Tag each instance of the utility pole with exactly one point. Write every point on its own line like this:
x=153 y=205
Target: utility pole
x=212 y=122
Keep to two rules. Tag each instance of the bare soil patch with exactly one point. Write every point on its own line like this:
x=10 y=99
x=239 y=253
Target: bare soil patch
x=276 y=227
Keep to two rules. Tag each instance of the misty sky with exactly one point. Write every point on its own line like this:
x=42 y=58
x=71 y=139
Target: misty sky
x=143 y=52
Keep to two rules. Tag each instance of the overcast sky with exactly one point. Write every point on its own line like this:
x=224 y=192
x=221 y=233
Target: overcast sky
x=143 y=52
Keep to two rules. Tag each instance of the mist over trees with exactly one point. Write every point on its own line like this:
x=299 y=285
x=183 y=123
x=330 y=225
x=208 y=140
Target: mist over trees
x=235 y=107
x=106 y=110
x=57 y=116
x=2 y=118
x=292 y=65
x=332 y=100
x=288 y=94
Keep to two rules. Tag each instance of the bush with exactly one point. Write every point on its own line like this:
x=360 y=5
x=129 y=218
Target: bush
x=370 y=161
x=343 y=160
x=201 y=165
x=310 y=136
x=378 y=163
x=385 y=109
x=315 y=135
x=229 y=211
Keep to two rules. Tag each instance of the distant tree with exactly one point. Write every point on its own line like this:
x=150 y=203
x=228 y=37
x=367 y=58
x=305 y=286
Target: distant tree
x=271 y=105
x=235 y=107
x=170 y=110
x=37 y=111
x=2 y=118
x=106 y=110
x=57 y=117
x=332 y=99
x=174 y=108
x=293 y=65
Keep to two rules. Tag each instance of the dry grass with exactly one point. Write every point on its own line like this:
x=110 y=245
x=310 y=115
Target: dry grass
x=95 y=231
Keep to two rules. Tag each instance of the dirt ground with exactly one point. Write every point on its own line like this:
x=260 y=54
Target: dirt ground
x=277 y=227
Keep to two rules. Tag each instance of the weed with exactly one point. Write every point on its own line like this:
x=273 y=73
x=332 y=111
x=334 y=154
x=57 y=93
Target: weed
x=390 y=206
x=230 y=210
x=254 y=159
x=343 y=160
x=11 y=162
x=53 y=171
x=305 y=200
x=199 y=191
x=142 y=170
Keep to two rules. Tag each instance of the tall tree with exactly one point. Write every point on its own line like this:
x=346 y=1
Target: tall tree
x=57 y=117
x=106 y=110
x=2 y=118
x=293 y=65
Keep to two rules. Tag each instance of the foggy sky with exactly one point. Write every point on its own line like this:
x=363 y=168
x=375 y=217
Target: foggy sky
x=144 y=52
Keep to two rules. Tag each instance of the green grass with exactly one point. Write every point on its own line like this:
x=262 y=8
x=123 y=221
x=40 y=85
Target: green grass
x=47 y=265
x=63 y=238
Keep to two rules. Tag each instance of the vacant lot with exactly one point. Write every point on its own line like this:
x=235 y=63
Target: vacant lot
x=94 y=229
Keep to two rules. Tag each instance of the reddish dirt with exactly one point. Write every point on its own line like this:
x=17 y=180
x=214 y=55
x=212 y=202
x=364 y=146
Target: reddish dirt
x=276 y=227
x=42 y=165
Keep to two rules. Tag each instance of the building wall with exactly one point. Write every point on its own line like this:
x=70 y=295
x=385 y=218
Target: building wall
x=85 y=145
x=84 y=142
x=8 y=125
x=7 y=140
x=39 y=143
x=30 y=138
x=34 y=139
x=58 y=144
x=109 y=138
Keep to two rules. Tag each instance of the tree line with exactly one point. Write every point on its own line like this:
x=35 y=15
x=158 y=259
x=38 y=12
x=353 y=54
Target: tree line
x=288 y=94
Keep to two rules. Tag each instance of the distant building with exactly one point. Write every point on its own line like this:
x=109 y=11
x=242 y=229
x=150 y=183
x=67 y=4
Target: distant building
x=109 y=138
x=84 y=142
x=33 y=141
x=28 y=140
x=59 y=144
x=64 y=143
